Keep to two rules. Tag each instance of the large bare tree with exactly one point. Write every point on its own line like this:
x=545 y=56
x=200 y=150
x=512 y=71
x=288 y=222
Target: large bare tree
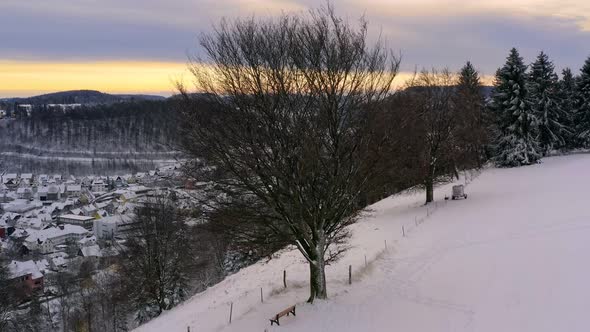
x=434 y=108
x=286 y=119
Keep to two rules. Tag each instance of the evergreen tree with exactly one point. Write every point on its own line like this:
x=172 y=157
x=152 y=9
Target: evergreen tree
x=516 y=140
x=473 y=124
x=567 y=91
x=582 y=105
x=544 y=100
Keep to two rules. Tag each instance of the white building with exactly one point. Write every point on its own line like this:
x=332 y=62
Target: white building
x=45 y=240
x=10 y=179
x=74 y=219
x=109 y=227
x=87 y=241
x=98 y=186
x=73 y=190
x=27 y=178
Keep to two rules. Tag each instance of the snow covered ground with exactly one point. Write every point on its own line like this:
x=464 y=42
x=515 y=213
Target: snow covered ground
x=512 y=257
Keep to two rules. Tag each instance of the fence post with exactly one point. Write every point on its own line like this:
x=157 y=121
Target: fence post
x=403 y=231
x=350 y=274
x=285 y=278
x=188 y=329
x=261 y=298
x=231 y=309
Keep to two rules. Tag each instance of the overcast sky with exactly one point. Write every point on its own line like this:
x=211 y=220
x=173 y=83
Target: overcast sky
x=142 y=45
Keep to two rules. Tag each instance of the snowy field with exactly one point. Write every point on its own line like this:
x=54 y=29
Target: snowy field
x=512 y=257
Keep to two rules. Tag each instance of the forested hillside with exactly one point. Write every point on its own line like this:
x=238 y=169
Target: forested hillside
x=124 y=136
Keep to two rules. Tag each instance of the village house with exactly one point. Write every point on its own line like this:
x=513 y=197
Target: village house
x=73 y=190
x=45 y=241
x=109 y=227
x=119 y=182
x=26 y=178
x=26 y=277
x=10 y=180
x=57 y=178
x=52 y=192
x=89 y=240
x=98 y=186
x=24 y=193
x=21 y=206
x=42 y=179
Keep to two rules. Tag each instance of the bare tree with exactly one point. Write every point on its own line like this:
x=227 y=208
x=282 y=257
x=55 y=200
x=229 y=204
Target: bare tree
x=286 y=120
x=157 y=259
x=433 y=104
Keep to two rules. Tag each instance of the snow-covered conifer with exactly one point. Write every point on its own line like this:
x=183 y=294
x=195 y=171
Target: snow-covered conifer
x=582 y=105
x=567 y=91
x=516 y=141
x=543 y=95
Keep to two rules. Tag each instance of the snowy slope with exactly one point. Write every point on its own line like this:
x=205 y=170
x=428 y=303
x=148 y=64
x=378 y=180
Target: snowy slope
x=512 y=257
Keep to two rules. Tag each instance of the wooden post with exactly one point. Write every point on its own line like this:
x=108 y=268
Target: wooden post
x=285 y=278
x=188 y=329
x=403 y=231
x=261 y=298
x=350 y=274
x=231 y=309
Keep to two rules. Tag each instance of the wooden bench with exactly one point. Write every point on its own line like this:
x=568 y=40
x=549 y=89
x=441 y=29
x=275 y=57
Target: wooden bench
x=286 y=312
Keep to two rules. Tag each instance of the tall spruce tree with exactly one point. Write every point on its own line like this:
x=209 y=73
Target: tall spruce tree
x=516 y=140
x=473 y=124
x=567 y=92
x=582 y=105
x=543 y=96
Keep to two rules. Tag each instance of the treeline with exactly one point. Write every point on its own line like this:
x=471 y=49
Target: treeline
x=536 y=113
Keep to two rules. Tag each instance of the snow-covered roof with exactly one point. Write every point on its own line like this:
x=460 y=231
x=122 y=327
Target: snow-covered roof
x=102 y=205
x=19 y=269
x=89 y=208
x=42 y=265
x=119 y=220
x=26 y=176
x=53 y=232
x=23 y=190
x=74 y=187
x=76 y=217
x=87 y=239
x=52 y=189
x=91 y=251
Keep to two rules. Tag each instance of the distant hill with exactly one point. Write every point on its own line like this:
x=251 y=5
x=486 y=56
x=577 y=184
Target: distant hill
x=80 y=97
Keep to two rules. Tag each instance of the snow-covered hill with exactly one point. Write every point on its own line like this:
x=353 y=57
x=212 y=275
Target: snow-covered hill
x=512 y=257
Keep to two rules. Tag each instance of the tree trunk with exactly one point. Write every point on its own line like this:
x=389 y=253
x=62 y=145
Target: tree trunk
x=429 y=190
x=317 y=280
x=317 y=271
